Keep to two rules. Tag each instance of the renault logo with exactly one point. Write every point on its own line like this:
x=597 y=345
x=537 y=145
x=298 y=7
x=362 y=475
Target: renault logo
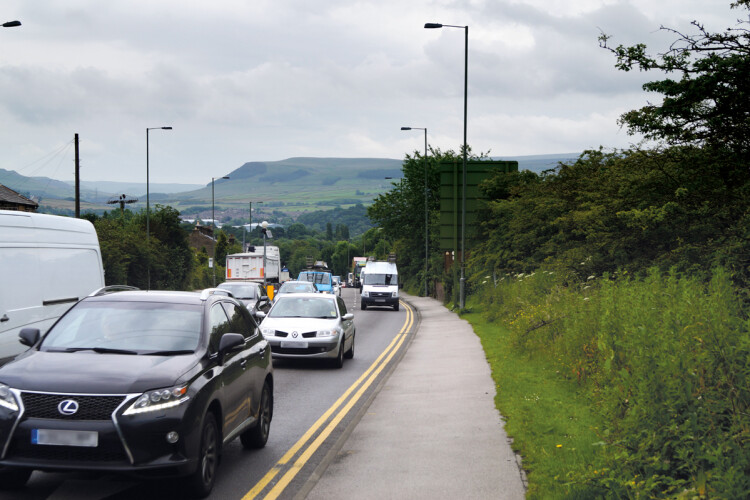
x=68 y=407
x=294 y=335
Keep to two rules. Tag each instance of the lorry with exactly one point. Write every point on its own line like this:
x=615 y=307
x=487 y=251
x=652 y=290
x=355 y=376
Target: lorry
x=379 y=285
x=47 y=264
x=358 y=263
x=248 y=266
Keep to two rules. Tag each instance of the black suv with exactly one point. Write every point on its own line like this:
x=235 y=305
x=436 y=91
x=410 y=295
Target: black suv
x=145 y=383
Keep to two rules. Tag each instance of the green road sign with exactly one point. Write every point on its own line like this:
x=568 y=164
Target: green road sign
x=451 y=177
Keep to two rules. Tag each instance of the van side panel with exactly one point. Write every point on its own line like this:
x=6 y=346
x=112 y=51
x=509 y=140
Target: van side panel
x=47 y=264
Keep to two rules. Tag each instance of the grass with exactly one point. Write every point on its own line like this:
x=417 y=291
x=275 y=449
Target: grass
x=622 y=387
x=550 y=420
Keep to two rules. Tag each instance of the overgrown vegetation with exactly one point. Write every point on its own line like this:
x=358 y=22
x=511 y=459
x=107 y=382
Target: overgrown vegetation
x=662 y=361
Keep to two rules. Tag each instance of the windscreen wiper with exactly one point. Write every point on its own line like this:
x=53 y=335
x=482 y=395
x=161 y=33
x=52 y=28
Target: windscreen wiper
x=168 y=353
x=100 y=350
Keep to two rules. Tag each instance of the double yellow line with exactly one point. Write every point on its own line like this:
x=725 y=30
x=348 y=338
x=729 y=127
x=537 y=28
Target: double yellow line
x=301 y=449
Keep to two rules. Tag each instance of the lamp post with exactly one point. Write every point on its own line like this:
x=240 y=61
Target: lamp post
x=251 y=224
x=148 y=211
x=11 y=24
x=462 y=287
x=213 y=223
x=426 y=231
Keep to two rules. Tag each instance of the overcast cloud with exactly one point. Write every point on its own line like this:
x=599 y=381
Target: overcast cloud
x=265 y=80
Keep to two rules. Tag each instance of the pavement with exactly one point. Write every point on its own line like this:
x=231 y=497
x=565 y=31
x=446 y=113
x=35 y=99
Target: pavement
x=432 y=431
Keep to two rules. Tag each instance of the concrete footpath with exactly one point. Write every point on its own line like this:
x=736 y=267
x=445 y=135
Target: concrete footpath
x=433 y=430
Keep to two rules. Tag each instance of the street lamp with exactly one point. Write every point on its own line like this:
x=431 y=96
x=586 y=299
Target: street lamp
x=462 y=287
x=11 y=24
x=148 y=210
x=251 y=224
x=426 y=233
x=213 y=224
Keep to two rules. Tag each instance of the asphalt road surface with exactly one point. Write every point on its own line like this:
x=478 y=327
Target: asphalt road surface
x=315 y=405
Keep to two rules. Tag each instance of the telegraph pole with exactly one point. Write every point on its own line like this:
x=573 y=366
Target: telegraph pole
x=78 y=180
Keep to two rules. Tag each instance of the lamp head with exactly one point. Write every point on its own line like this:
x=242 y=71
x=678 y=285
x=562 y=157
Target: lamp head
x=430 y=26
x=405 y=128
x=11 y=24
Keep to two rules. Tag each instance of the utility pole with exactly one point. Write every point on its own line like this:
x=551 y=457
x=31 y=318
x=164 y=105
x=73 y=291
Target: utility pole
x=78 y=179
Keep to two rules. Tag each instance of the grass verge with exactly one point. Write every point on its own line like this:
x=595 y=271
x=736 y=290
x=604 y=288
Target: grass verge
x=549 y=419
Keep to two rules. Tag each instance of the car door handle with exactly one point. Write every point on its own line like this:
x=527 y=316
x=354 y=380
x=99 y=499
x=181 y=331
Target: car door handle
x=243 y=363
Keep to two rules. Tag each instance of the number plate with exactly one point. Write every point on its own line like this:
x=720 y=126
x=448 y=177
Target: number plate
x=54 y=437
x=379 y=300
x=294 y=345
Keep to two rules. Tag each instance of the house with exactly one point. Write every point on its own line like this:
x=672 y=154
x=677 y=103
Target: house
x=10 y=200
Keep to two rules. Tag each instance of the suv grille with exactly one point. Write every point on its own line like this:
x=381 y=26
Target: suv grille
x=39 y=405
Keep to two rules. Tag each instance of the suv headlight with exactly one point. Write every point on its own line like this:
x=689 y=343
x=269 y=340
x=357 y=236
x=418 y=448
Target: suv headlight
x=7 y=399
x=159 y=400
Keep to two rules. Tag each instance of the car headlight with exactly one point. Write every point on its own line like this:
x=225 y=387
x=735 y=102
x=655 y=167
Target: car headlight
x=365 y=294
x=327 y=333
x=7 y=399
x=394 y=295
x=268 y=332
x=158 y=400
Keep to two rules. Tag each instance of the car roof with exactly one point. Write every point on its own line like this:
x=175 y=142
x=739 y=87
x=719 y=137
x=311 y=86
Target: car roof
x=307 y=295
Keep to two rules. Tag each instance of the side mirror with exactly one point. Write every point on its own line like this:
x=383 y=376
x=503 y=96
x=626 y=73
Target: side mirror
x=29 y=336
x=260 y=315
x=229 y=341
x=347 y=316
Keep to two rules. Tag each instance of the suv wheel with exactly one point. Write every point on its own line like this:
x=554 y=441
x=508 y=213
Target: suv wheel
x=12 y=478
x=257 y=436
x=201 y=482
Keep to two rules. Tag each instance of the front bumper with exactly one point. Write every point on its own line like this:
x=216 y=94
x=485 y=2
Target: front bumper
x=304 y=348
x=133 y=444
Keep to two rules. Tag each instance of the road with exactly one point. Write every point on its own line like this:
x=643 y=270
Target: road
x=315 y=405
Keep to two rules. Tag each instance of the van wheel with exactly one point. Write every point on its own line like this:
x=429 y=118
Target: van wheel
x=395 y=307
x=363 y=306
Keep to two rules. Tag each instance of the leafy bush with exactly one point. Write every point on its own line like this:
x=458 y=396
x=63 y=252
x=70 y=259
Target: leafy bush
x=665 y=361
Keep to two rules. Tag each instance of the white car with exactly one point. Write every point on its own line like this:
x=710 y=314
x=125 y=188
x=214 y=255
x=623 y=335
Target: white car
x=310 y=325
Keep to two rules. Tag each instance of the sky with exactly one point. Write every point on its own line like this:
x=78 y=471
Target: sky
x=266 y=80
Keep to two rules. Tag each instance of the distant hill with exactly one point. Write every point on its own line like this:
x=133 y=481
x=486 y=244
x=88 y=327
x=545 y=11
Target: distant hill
x=539 y=163
x=292 y=186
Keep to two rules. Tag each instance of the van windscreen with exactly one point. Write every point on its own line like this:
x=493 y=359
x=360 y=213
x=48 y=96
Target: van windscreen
x=380 y=279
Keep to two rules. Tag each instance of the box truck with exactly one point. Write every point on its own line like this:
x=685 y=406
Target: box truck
x=47 y=264
x=248 y=266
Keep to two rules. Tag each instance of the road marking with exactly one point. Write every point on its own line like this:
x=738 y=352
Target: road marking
x=368 y=377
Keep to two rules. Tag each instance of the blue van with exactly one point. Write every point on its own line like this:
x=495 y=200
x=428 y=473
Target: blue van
x=323 y=281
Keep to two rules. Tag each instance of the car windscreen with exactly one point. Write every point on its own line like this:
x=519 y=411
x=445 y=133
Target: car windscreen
x=321 y=278
x=297 y=288
x=239 y=290
x=140 y=327
x=291 y=306
x=380 y=279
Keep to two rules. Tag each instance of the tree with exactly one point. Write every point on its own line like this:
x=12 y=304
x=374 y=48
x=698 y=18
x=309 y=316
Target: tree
x=708 y=104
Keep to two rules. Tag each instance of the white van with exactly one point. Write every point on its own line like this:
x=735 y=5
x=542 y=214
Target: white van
x=47 y=264
x=379 y=285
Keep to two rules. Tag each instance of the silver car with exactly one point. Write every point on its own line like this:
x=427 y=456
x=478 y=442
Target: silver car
x=310 y=325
